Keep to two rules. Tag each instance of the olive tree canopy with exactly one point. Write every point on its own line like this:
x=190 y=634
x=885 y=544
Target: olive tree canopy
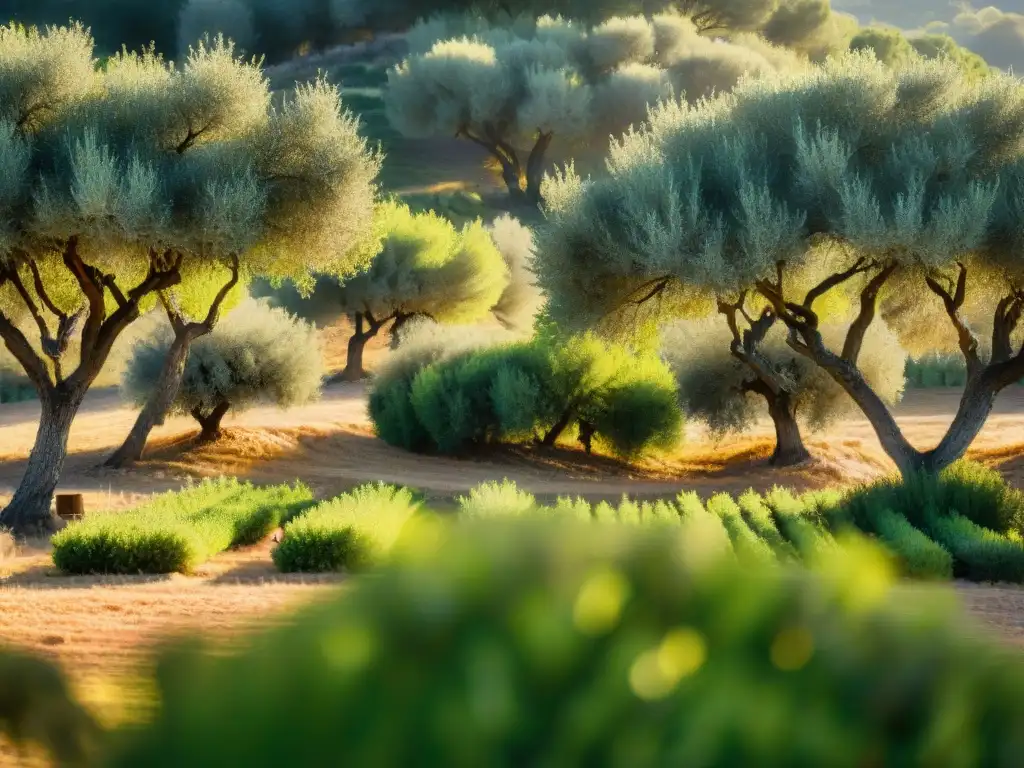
x=853 y=181
x=143 y=181
x=516 y=89
x=425 y=268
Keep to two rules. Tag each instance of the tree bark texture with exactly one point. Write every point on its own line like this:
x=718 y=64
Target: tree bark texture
x=171 y=374
x=789 y=444
x=365 y=328
x=158 y=404
x=557 y=429
x=28 y=513
x=210 y=422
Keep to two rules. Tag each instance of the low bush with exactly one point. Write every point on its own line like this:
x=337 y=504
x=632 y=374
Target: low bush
x=351 y=532
x=748 y=546
x=538 y=391
x=936 y=370
x=175 y=531
x=497 y=499
x=813 y=542
x=973 y=490
x=544 y=644
x=919 y=556
x=759 y=517
x=979 y=554
x=14 y=385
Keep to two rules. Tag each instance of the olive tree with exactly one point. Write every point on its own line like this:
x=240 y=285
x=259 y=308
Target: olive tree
x=513 y=90
x=136 y=183
x=915 y=176
x=341 y=179
x=261 y=355
x=425 y=268
x=718 y=388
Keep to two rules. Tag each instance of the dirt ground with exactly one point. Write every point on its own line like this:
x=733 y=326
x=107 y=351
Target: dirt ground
x=102 y=629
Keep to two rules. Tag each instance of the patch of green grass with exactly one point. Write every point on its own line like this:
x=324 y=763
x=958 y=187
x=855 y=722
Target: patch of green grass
x=349 y=533
x=175 y=532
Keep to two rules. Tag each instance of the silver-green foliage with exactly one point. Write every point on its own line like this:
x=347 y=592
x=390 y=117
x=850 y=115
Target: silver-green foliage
x=257 y=354
x=513 y=89
x=892 y=189
x=715 y=386
x=424 y=266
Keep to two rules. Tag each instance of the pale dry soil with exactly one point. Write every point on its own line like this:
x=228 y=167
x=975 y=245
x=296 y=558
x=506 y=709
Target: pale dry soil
x=103 y=629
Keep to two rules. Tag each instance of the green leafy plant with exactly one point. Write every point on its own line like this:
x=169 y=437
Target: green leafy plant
x=351 y=532
x=176 y=531
x=574 y=644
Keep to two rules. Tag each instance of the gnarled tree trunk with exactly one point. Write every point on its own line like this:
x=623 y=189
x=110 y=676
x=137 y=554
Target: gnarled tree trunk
x=29 y=513
x=789 y=444
x=535 y=168
x=159 y=402
x=211 y=422
x=171 y=374
x=366 y=327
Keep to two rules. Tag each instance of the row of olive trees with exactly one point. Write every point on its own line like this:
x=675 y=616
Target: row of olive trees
x=811 y=212
x=141 y=183
x=523 y=87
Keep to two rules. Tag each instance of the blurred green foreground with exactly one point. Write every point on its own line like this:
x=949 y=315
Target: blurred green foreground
x=561 y=644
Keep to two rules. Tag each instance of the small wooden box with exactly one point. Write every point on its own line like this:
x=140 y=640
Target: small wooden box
x=70 y=506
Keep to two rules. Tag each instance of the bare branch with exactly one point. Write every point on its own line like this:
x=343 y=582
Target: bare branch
x=953 y=303
x=211 y=316
x=833 y=281
x=19 y=346
x=868 y=306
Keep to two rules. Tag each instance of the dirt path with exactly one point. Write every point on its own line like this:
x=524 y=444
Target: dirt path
x=101 y=630
x=330 y=446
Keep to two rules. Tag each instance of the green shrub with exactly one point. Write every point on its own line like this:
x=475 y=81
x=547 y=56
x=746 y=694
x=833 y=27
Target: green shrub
x=979 y=554
x=977 y=492
x=702 y=526
x=813 y=542
x=497 y=499
x=919 y=556
x=828 y=509
x=936 y=370
x=14 y=385
x=175 y=531
x=749 y=547
x=36 y=707
x=530 y=644
x=351 y=532
x=759 y=517
x=537 y=391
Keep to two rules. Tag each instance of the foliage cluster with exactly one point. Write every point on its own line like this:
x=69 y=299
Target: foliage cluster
x=968 y=509
x=176 y=531
x=144 y=181
x=525 y=391
x=260 y=354
x=514 y=90
x=936 y=370
x=560 y=643
x=965 y=523
x=853 y=184
x=720 y=390
x=349 y=533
